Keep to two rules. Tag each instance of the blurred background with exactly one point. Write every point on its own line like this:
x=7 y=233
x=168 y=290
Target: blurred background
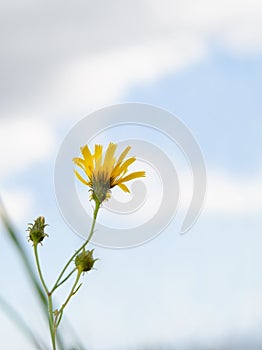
x=200 y=60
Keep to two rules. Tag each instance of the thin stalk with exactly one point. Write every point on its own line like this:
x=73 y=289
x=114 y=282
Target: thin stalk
x=74 y=289
x=49 y=298
x=64 y=280
x=39 y=269
x=51 y=321
x=27 y=264
x=54 y=321
x=23 y=255
x=97 y=206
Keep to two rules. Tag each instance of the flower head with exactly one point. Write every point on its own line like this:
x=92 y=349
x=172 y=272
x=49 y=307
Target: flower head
x=85 y=261
x=105 y=172
x=37 y=230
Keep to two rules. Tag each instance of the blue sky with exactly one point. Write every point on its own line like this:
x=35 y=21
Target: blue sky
x=219 y=100
x=204 y=66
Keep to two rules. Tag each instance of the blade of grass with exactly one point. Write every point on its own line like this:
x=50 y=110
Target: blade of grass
x=21 y=324
x=22 y=253
x=27 y=264
x=77 y=343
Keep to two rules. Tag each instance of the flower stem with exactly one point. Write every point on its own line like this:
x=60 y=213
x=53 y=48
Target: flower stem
x=65 y=279
x=97 y=206
x=39 y=269
x=74 y=289
x=49 y=298
x=56 y=316
x=51 y=321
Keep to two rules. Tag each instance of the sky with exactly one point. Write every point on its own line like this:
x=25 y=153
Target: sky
x=199 y=60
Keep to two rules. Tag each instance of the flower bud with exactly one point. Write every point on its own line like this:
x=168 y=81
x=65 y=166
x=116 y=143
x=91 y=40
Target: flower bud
x=36 y=230
x=85 y=261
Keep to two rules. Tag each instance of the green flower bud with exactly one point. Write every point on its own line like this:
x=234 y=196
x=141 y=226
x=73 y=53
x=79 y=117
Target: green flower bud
x=85 y=261
x=36 y=230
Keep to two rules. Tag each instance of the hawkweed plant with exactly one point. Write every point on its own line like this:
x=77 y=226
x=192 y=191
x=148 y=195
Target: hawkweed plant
x=100 y=173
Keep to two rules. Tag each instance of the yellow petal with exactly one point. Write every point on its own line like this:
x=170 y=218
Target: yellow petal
x=98 y=155
x=81 y=179
x=123 y=155
x=123 y=187
x=80 y=162
x=109 y=157
x=120 y=160
x=87 y=155
x=85 y=166
x=132 y=176
x=123 y=168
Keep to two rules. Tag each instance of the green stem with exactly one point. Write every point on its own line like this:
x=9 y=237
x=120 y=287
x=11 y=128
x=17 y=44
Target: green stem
x=51 y=321
x=15 y=238
x=97 y=206
x=39 y=270
x=49 y=298
x=64 y=280
x=54 y=321
x=74 y=289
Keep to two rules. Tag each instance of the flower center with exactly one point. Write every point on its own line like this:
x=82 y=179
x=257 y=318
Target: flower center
x=101 y=186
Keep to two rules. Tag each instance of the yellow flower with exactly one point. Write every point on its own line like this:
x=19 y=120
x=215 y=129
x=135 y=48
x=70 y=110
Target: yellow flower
x=104 y=174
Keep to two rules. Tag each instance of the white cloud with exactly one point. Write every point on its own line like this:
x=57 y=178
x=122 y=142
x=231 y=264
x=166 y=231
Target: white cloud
x=86 y=56
x=60 y=66
x=231 y=194
x=103 y=78
x=18 y=204
x=235 y=24
x=24 y=142
x=226 y=193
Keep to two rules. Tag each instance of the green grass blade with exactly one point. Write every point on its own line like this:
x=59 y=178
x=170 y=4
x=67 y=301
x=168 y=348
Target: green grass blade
x=21 y=324
x=27 y=264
